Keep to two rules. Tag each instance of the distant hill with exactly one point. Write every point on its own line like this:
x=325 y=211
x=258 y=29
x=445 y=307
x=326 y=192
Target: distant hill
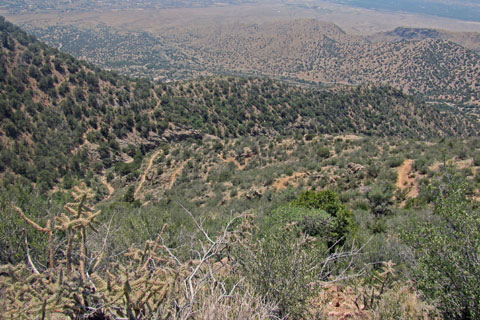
x=436 y=64
x=61 y=117
x=16 y=6
x=321 y=52
x=469 y=40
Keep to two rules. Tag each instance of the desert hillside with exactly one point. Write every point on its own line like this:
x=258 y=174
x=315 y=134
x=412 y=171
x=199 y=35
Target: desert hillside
x=439 y=65
x=235 y=197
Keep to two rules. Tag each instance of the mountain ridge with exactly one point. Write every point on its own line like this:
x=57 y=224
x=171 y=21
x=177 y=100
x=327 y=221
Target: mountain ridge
x=469 y=40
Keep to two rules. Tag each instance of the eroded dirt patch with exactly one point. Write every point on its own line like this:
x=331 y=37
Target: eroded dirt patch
x=406 y=179
x=282 y=183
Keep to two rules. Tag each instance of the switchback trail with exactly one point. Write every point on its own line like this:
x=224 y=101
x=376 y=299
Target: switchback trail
x=145 y=172
x=281 y=183
x=235 y=161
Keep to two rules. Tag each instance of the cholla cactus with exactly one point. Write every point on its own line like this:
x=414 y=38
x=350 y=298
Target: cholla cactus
x=152 y=284
x=75 y=225
x=143 y=286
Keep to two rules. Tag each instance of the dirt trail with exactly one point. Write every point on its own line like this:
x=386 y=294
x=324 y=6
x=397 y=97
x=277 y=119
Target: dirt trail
x=145 y=172
x=405 y=181
x=232 y=159
x=281 y=183
x=110 y=188
x=177 y=172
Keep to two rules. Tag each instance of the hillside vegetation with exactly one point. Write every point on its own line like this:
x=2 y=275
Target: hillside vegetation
x=307 y=50
x=63 y=116
x=229 y=197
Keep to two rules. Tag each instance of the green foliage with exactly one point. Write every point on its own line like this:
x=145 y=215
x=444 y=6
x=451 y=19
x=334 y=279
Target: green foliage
x=395 y=161
x=129 y=196
x=380 y=198
x=313 y=222
x=79 y=101
x=12 y=226
x=283 y=263
x=327 y=200
x=280 y=269
x=150 y=282
x=476 y=159
x=323 y=152
x=447 y=250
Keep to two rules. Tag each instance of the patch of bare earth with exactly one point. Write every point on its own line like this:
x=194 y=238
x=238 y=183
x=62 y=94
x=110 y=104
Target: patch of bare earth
x=145 y=172
x=175 y=174
x=110 y=188
x=235 y=161
x=406 y=179
x=338 y=303
x=282 y=183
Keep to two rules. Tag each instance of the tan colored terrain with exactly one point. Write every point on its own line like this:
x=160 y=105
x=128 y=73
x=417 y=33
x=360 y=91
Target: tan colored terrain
x=469 y=40
x=315 y=51
x=109 y=187
x=352 y=20
x=157 y=45
x=175 y=174
x=145 y=172
x=235 y=161
x=282 y=183
x=406 y=179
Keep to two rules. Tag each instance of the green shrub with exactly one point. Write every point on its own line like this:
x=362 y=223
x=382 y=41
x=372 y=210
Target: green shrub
x=284 y=262
x=394 y=162
x=323 y=152
x=314 y=222
x=447 y=251
x=380 y=198
x=129 y=196
x=280 y=268
x=421 y=165
x=327 y=200
x=476 y=159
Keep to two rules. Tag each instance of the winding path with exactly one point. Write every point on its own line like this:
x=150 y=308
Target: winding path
x=235 y=161
x=281 y=183
x=110 y=188
x=145 y=172
x=175 y=175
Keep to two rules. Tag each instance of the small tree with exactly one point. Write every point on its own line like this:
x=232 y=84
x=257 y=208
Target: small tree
x=288 y=259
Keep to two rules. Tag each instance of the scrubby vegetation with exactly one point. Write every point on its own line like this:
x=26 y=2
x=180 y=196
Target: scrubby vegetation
x=228 y=198
x=62 y=117
x=305 y=51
